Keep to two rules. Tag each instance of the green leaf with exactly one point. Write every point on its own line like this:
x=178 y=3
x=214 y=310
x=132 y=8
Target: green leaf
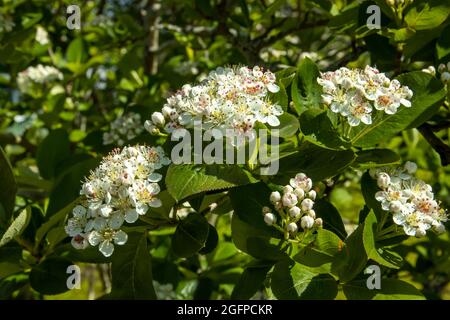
x=293 y=281
x=331 y=218
x=427 y=15
x=132 y=270
x=383 y=256
x=352 y=259
x=368 y=188
x=318 y=163
x=211 y=241
x=373 y=158
x=318 y=129
x=67 y=187
x=391 y=289
x=190 y=236
x=428 y=95
x=17 y=226
x=12 y=283
x=50 y=276
x=76 y=51
x=9 y=189
x=319 y=254
x=289 y=126
x=251 y=280
x=51 y=152
x=443 y=45
x=305 y=91
x=185 y=180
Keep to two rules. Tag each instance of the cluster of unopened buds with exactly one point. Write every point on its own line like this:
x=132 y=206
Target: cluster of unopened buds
x=355 y=93
x=409 y=199
x=38 y=75
x=229 y=98
x=295 y=207
x=123 y=129
x=122 y=188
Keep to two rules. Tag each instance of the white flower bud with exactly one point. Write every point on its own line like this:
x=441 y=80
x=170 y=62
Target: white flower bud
x=307 y=204
x=383 y=180
x=312 y=213
x=266 y=210
x=439 y=229
x=410 y=167
x=445 y=77
x=270 y=219
x=327 y=99
x=318 y=222
x=420 y=233
x=158 y=119
x=289 y=200
x=294 y=212
x=278 y=206
x=166 y=111
x=299 y=193
x=312 y=194
x=395 y=206
x=292 y=227
x=441 y=68
x=287 y=189
x=307 y=222
x=275 y=197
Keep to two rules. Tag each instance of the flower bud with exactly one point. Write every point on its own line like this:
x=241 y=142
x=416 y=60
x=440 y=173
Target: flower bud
x=318 y=222
x=312 y=194
x=158 y=119
x=292 y=227
x=294 y=212
x=289 y=200
x=307 y=222
x=166 y=111
x=299 y=193
x=410 y=167
x=275 y=197
x=441 y=68
x=287 y=189
x=383 y=180
x=445 y=77
x=266 y=210
x=312 y=213
x=420 y=233
x=270 y=219
x=395 y=206
x=439 y=229
x=307 y=204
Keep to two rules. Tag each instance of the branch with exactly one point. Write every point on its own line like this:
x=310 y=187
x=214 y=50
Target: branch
x=440 y=147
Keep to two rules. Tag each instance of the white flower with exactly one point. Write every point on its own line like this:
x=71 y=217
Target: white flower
x=292 y=227
x=106 y=240
x=301 y=181
x=270 y=218
x=33 y=77
x=41 y=36
x=307 y=222
x=410 y=200
x=353 y=93
x=300 y=193
x=445 y=76
x=275 y=197
x=124 y=128
x=123 y=187
x=229 y=98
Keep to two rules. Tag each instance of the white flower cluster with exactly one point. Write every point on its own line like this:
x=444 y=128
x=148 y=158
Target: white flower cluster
x=39 y=75
x=229 y=98
x=294 y=205
x=164 y=291
x=410 y=200
x=354 y=93
x=120 y=189
x=41 y=36
x=123 y=129
x=6 y=23
x=444 y=70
